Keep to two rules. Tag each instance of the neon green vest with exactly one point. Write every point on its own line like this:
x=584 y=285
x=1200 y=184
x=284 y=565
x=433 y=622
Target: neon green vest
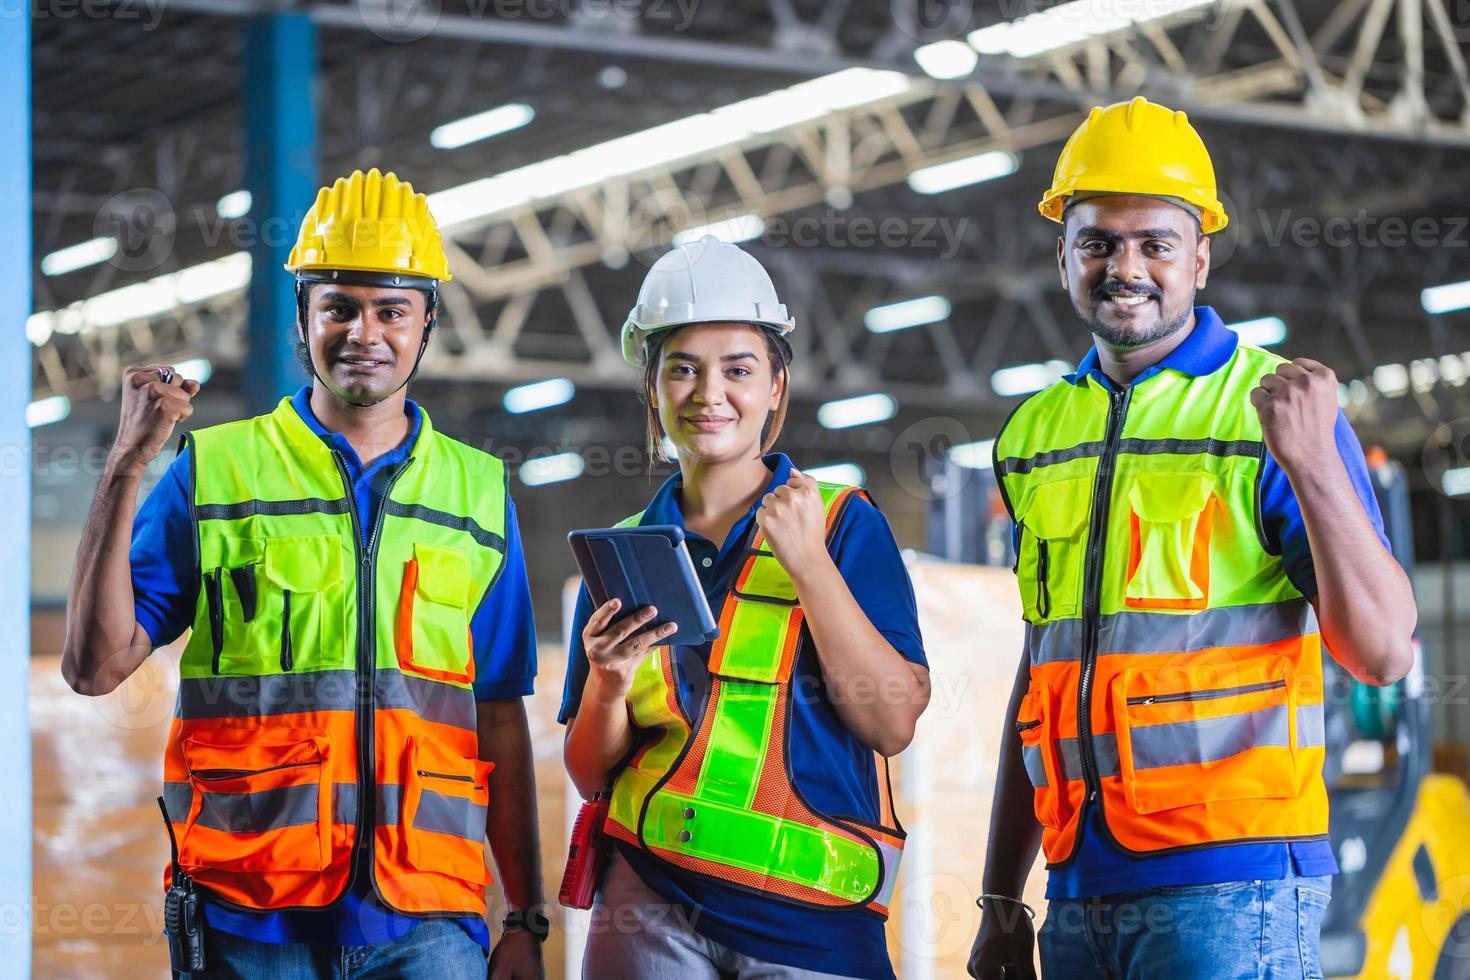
x=720 y=801
x=1175 y=671
x=325 y=693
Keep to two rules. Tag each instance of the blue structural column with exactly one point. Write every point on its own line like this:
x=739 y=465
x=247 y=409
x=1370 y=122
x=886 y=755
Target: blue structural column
x=280 y=174
x=15 y=496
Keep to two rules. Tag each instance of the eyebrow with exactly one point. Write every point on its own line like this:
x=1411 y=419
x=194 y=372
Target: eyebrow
x=696 y=359
x=334 y=296
x=1093 y=231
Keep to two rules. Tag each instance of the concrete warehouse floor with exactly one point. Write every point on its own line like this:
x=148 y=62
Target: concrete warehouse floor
x=99 y=847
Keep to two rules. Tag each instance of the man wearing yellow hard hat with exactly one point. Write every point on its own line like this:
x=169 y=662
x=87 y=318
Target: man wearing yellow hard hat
x=349 y=729
x=1193 y=522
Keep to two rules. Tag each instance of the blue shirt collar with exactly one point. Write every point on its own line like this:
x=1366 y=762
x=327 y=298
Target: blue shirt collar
x=301 y=401
x=1206 y=350
x=664 y=507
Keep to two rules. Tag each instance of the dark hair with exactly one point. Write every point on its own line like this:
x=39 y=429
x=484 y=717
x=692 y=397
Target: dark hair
x=778 y=350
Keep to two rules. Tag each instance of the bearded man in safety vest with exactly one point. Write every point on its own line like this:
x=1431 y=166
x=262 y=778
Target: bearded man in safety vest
x=1188 y=509
x=361 y=636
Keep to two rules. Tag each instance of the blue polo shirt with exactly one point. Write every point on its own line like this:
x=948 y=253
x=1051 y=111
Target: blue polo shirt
x=165 y=588
x=829 y=766
x=1099 y=867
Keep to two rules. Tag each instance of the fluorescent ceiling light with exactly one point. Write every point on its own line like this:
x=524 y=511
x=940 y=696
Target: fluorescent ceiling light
x=144 y=299
x=847 y=474
x=665 y=144
x=1447 y=298
x=975 y=455
x=482 y=126
x=44 y=411
x=79 y=256
x=741 y=228
x=1026 y=378
x=946 y=59
x=233 y=205
x=1456 y=483
x=541 y=394
x=906 y=313
x=1391 y=379
x=1071 y=23
x=861 y=410
x=966 y=170
x=1262 y=332
x=195 y=369
x=551 y=469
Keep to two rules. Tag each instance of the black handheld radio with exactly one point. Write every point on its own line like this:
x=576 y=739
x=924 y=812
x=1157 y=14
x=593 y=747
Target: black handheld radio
x=183 y=915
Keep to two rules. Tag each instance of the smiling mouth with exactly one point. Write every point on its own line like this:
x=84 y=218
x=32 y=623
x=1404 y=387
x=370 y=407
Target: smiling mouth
x=361 y=362
x=708 y=422
x=1127 y=300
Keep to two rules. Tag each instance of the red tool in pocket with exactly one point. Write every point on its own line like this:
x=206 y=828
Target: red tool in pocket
x=586 y=854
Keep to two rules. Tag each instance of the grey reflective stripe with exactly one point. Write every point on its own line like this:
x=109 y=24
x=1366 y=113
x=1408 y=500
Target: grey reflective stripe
x=1311 y=725
x=389 y=809
x=418 y=512
x=323 y=690
x=1137 y=631
x=1182 y=743
x=1035 y=767
x=252 y=813
x=890 y=856
x=1104 y=750
x=452 y=815
x=269 y=508
x=433 y=701
x=1190 y=447
x=1015 y=464
x=1133 y=447
x=178 y=798
x=266 y=694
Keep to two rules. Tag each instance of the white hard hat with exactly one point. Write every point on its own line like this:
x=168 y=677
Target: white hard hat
x=708 y=281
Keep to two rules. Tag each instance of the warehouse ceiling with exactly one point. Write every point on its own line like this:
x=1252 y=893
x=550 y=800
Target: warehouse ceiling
x=1340 y=132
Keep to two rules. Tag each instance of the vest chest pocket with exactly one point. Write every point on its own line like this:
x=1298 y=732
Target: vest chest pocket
x=285 y=611
x=432 y=637
x=1169 y=540
x=1049 y=562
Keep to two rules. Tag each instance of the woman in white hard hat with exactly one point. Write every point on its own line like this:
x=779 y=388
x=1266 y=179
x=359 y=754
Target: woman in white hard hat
x=749 y=797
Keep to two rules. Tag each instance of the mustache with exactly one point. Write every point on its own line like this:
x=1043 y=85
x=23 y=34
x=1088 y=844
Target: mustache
x=1117 y=287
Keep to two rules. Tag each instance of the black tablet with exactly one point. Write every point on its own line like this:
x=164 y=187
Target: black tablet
x=646 y=566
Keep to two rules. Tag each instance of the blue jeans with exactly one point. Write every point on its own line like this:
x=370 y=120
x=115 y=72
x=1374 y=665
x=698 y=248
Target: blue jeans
x=1235 y=930
x=435 y=949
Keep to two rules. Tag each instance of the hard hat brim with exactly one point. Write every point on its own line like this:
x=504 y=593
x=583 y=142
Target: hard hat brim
x=364 y=277
x=1212 y=213
x=643 y=321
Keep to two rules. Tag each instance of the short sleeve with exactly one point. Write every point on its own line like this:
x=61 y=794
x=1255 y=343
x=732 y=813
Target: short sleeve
x=1281 y=515
x=504 y=626
x=871 y=564
x=571 y=696
x=161 y=557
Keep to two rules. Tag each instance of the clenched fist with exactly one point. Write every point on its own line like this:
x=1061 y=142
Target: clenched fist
x=794 y=522
x=1298 y=410
x=154 y=400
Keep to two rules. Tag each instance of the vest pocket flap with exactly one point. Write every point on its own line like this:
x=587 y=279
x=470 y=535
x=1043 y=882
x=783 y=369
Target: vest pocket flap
x=443 y=575
x=1057 y=510
x=445 y=810
x=304 y=564
x=1163 y=498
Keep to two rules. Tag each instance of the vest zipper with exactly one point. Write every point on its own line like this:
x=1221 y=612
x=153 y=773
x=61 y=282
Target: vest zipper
x=1224 y=692
x=366 y=663
x=206 y=775
x=444 y=775
x=1102 y=493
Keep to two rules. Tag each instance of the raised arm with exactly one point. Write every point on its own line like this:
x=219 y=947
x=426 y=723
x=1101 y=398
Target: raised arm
x=104 y=643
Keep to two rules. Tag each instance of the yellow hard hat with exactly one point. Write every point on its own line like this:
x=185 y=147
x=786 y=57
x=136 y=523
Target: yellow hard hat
x=370 y=229
x=1137 y=147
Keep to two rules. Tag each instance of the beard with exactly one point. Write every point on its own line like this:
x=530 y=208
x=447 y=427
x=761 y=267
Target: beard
x=1169 y=323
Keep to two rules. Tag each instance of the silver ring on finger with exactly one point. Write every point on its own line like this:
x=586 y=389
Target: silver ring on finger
x=166 y=375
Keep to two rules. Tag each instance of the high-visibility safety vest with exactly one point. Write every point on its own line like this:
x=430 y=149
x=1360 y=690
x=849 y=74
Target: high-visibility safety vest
x=718 y=799
x=1175 y=672
x=325 y=707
